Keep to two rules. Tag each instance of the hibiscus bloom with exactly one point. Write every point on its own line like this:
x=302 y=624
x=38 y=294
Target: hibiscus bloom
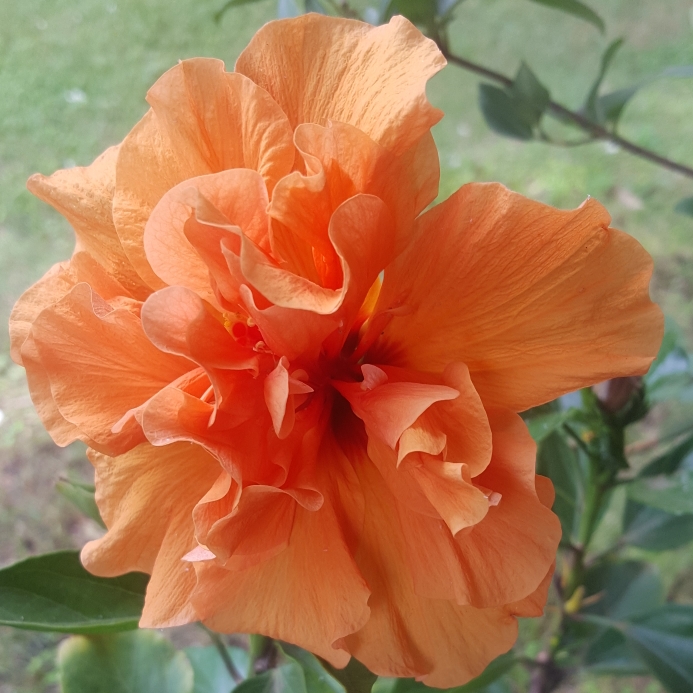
x=300 y=390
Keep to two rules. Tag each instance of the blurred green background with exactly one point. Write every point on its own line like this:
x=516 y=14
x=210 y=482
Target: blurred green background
x=73 y=77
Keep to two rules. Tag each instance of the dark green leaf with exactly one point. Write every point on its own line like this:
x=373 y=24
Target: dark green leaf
x=672 y=493
x=530 y=92
x=499 y=666
x=354 y=677
x=609 y=653
x=679 y=457
x=685 y=206
x=138 y=662
x=655 y=530
x=284 y=679
x=82 y=497
x=54 y=592
x=541 y=427
x=419 y=12
x=664 y=641
x=577 y=9
x=317 y=679
x=230 y=5
x=623 y=589
x=592 y=105
x=501 y=112
x=561 y=464
x=210 y=673
x=610 y=106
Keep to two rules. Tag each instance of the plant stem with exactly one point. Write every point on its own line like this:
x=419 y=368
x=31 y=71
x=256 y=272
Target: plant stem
x=223 y=653
x=594 y=129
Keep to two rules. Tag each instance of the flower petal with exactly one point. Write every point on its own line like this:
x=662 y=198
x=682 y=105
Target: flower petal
x=146 y=498
x=437 y=641
x=100 y=365
x=320 y=69
x=84 y=196
x=203 y=120
x=536 y=301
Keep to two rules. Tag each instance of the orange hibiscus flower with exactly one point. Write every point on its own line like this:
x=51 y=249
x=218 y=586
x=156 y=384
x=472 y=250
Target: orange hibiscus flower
x=300 y=392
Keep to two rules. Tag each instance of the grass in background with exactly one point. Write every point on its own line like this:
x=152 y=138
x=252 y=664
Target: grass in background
x=73 y=76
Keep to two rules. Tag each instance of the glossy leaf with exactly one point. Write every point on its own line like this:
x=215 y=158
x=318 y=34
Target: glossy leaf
x=138 y=662
x=540 y=427
x=577 y=9
x=664 y=641
x=655 y=530
x=560 y=463
x=685 y=206
x=610 y=653
x=623 y=589
x=282 y=679
x=317 y=678
x=592 y=105
x=82 y=497
x=210 y=673
x=497 y=668
x=672 y=493
x=54 y=592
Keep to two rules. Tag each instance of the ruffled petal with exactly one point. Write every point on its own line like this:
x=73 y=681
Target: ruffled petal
x=84 y=196
x=310 y=594
x=203 y=120
x=146 y=498
x=320 y=69
x=536 y=301
x=434 y=640
x=100 y=365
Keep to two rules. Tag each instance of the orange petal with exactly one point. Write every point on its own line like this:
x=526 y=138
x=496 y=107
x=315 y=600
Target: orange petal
x=202 y=121
x=236 y=198
x=57 y=282
x=84 y=196
x=437 y=641
x=320 y=69
x=507 y=554
x=100 y=365
x=389 y=408
x=146 y=498
x=536 y=301
x=310 y=594
x=341 y=162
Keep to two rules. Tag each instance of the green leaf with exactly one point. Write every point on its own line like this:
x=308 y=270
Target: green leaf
x=560 y=463
x=679 y=457
x=230 y=5
x=685 y=206
x=501 y=113
x=316 y=6
x=497 y=668
x=592 y=105
x=624 y=589
x=54 y=592
x=655 y=530
x=210 y=673
x=672 y=493
x=287 y=678
x=419 y=12
x=577 y=9
x=138 y=662
x=540 y=427
x=354 y=677
x=82 y=497
x=664 y=641
x=610 y=106
x=516 y=110
x=317 y=678
x=609 y=653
